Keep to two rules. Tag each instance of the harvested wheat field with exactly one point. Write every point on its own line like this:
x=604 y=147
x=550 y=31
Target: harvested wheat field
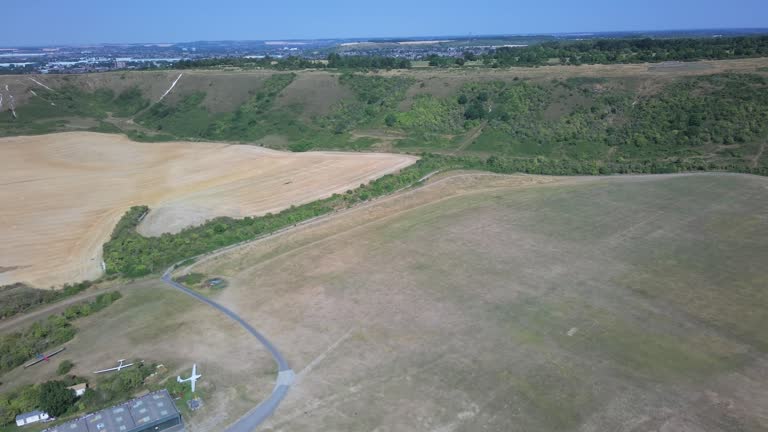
x=63 y=193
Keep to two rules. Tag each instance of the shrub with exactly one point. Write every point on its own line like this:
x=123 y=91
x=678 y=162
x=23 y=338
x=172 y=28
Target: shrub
x=64 y=367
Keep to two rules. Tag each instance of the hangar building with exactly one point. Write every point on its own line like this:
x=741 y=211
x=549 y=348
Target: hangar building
x=152 y=412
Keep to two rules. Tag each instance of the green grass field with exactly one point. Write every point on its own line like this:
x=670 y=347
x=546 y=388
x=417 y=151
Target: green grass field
x=590 y=305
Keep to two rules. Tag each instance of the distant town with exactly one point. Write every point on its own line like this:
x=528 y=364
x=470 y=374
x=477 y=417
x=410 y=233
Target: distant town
x=107 y=57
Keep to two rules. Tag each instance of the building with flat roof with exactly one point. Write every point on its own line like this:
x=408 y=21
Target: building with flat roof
x=31 y=417
x=152 y=412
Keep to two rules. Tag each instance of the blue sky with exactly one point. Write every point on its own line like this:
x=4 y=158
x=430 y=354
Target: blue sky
x=49 y=22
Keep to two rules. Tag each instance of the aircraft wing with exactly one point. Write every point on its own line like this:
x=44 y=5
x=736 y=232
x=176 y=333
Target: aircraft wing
x=116 y=368
x=33 y=363
x=43 y=358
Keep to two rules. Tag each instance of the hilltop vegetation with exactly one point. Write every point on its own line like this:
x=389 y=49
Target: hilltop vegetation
x=560 y=126
x=709 y=118
x=335 y=61
x=593 y=51
x=682 y=120
x=610 y=51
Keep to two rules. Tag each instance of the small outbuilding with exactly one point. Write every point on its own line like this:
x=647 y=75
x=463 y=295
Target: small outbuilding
x=31 y=417
x=79 y=389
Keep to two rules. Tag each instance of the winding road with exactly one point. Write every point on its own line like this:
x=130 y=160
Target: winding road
x=285 y=375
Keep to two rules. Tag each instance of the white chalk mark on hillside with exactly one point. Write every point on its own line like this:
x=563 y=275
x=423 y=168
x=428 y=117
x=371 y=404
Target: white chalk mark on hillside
x=170 y=88
x=33 y=92
x=40 y=84
x=1 y=101
x=12 y=105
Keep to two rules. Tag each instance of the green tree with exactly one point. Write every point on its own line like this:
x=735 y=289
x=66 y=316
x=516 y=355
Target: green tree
x=390 y=120
x=474 y=111
x=56 y=398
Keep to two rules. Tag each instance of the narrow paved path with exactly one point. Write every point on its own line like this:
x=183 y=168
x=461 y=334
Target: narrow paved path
x=262 y=411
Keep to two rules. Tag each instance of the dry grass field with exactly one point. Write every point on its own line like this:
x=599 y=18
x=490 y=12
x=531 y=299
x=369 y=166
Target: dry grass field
x=521 y=303
x=157 y=324
x=315 y=92
x=63 y=193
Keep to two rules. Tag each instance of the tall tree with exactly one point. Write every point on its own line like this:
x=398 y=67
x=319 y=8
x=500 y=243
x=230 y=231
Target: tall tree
x=56 y=398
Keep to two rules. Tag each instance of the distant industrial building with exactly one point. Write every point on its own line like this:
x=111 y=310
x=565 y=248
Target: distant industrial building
x=31 y=417
x=152 y=412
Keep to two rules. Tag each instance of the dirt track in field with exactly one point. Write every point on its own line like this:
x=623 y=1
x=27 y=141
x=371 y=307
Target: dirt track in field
x=63 y=193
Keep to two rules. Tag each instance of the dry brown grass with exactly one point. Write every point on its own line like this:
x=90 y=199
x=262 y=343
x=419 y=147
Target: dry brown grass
x=157 y=324
x=317 y=93
x=500 y=303
x=68 y=191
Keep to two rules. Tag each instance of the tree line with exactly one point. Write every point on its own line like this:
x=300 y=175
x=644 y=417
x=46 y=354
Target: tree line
x=609 y=51
x=337 y=61
x=18 y=298
x=333 y=61
x=20 y=346
x=132 y=255
x=55 y=398
x=595 y=51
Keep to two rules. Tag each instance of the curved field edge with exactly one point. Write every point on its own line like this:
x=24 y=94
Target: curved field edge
x=130 y=254
x=71 y=189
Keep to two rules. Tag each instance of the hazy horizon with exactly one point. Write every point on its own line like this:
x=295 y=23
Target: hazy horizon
x=90 y=22
x=757 y=30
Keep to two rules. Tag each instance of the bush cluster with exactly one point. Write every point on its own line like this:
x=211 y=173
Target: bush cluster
x=18 y=347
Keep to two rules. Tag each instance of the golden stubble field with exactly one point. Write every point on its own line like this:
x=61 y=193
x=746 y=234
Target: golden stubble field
x=62 y=194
